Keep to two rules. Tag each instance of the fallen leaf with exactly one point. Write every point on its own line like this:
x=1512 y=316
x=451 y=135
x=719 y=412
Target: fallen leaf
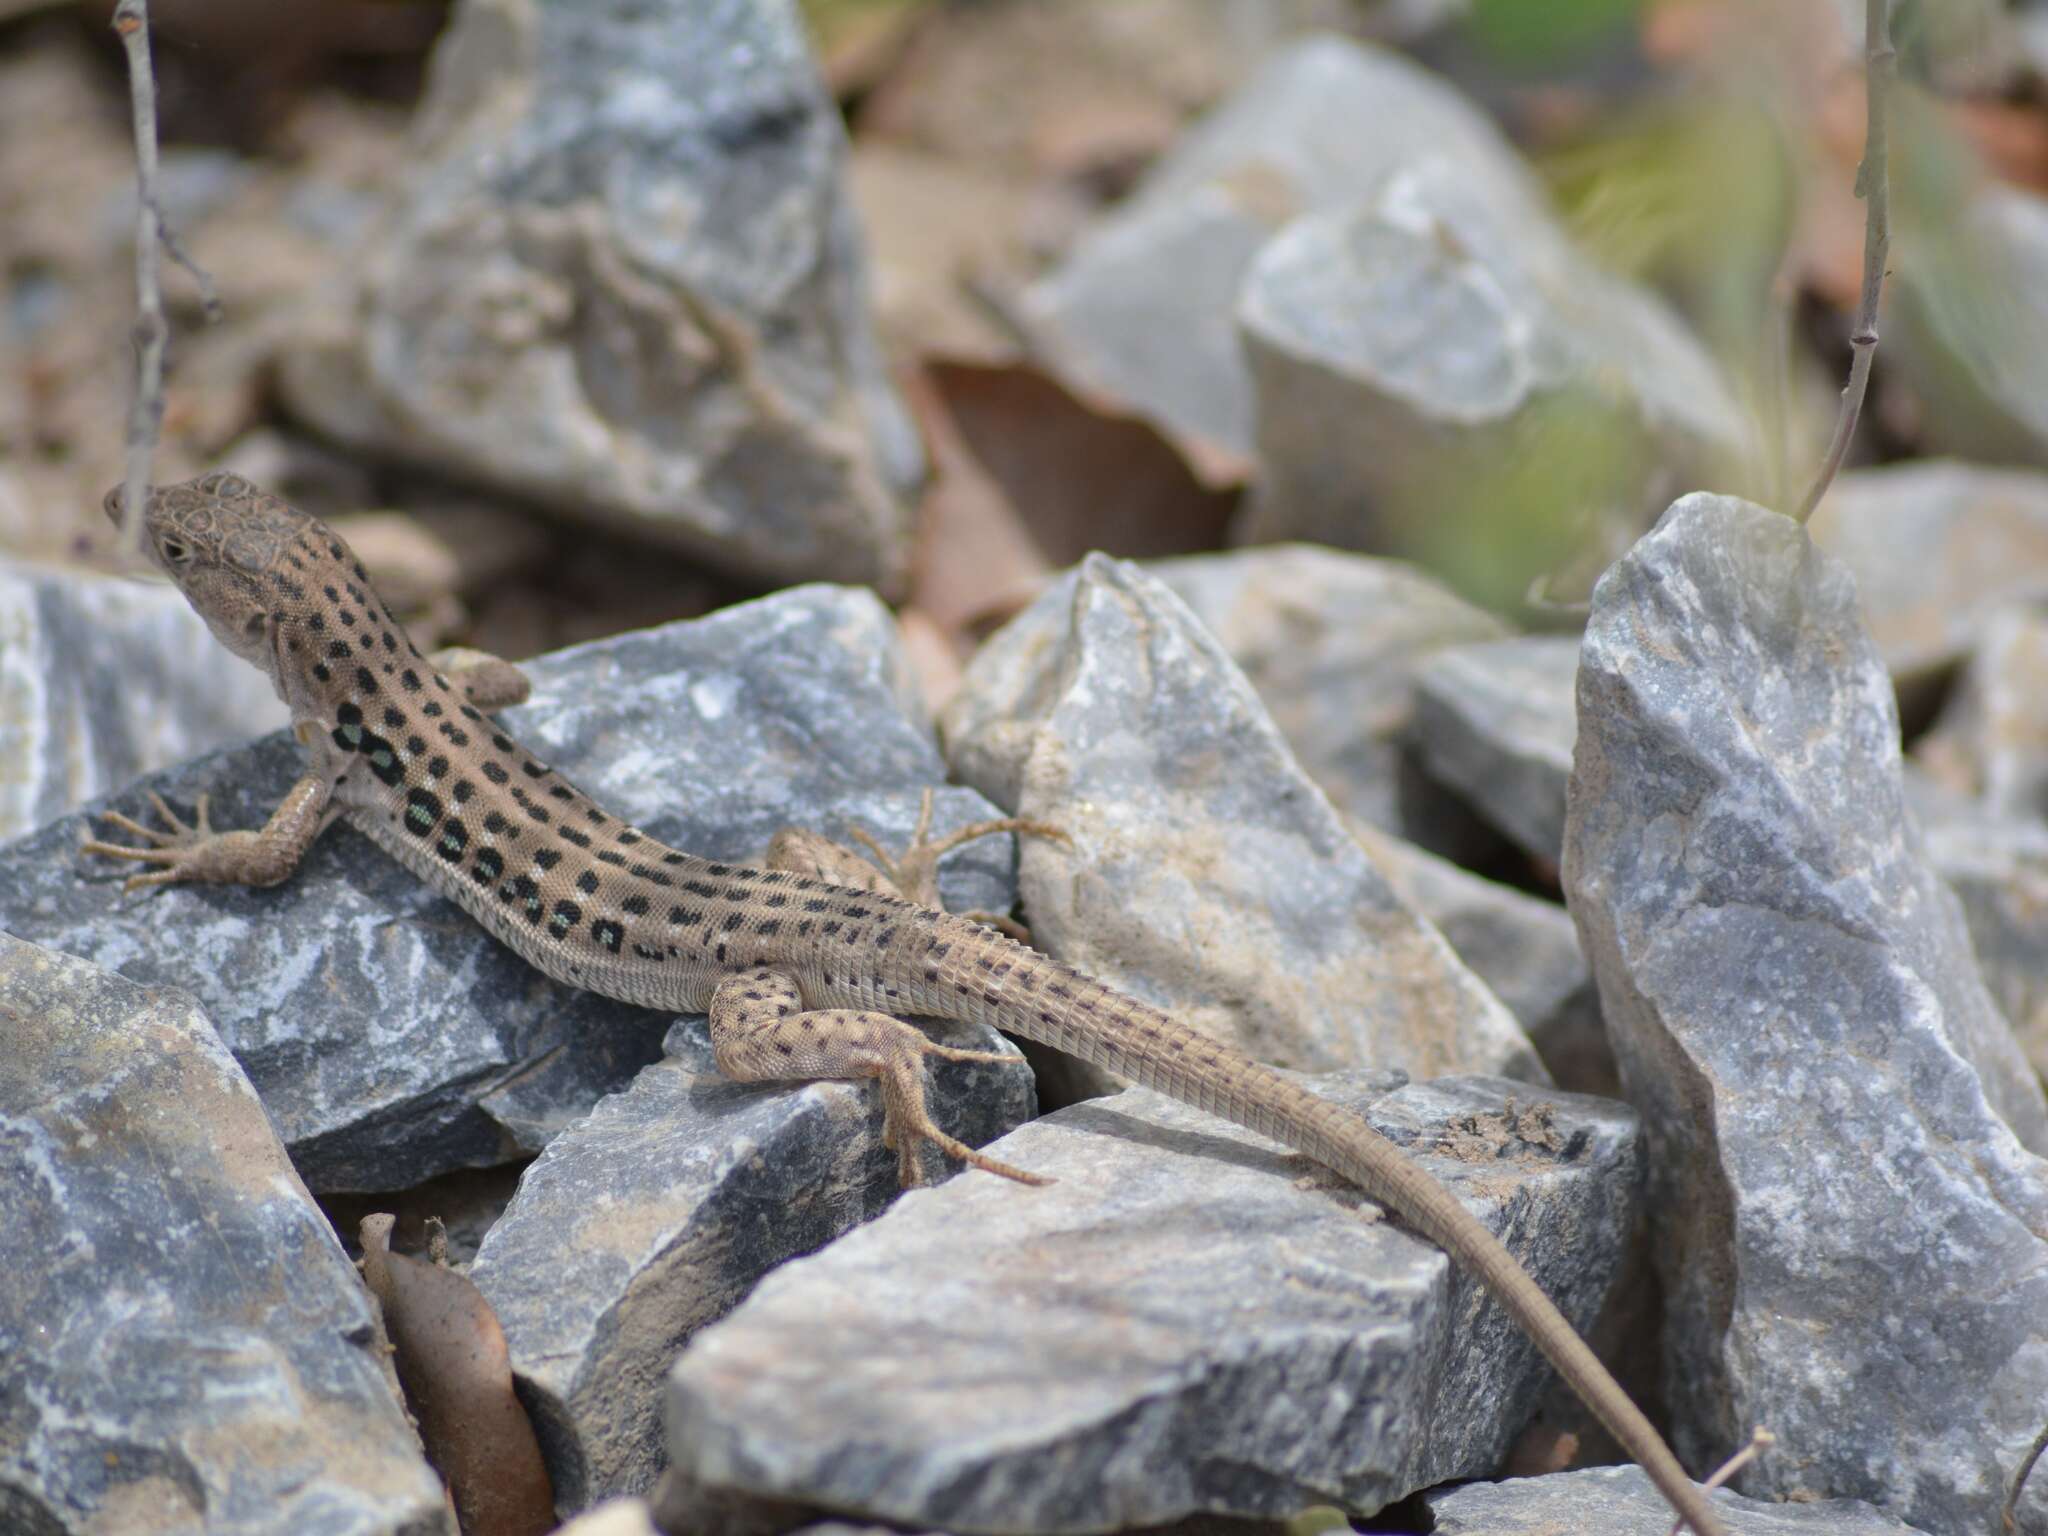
x=1081 y=475
x=451 y=1359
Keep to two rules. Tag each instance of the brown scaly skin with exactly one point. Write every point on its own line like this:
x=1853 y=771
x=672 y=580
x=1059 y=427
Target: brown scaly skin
x=803 y=966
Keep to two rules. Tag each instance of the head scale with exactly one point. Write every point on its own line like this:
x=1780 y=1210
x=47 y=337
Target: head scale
x=220 y=538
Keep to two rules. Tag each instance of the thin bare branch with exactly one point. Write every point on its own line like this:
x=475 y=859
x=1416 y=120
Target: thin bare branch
x=146 y=410
x=2010 y=1514
x=1873 y=185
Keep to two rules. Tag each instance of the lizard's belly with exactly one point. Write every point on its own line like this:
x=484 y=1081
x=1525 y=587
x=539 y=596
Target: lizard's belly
x=528 y=909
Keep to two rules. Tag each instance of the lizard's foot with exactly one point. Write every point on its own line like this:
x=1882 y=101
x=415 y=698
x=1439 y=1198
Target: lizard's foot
x=488 y=682
x=187 y=851
x=916 y=873
x=906 y=1121
x=915 y=876
x=761 y=1032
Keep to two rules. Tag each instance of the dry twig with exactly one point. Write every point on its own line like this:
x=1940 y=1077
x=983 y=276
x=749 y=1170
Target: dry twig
x=1760 y=1440
x=1873 y=185
x=2010 y=1514
x=146 y=411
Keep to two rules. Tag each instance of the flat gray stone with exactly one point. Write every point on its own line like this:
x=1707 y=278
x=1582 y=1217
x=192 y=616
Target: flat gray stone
x=390 y=1037
x=1998 y=868
x=1205 y=873
x=1494 y=721
x=103 y=679
x=1190 y=1320
x=186 y=1345
x=1437 y=326
x=1332 y=642
x=1852 y=1233
x=623 y=279
x=1524 y=948
x=1622 y=1501
x=1142 y=308
x=658 y=1212
x=1990 y=742
x=1937 y=548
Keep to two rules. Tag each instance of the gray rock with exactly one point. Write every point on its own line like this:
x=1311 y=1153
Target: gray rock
x=101 y=680
x=1406 y=345
x=390 y=1037
x=1524 y=948
x=1998 y=868
x=623 y=279
x=1853 y=1240
x=1205 y=873
x=614 y=1517
x=1937 y=548
x=1495 y=722
x=1331 y=641
x=186 y=1344
x=1991 y=740
x=652 y=1218
x=1142 y=308
x=1621 y=1501
x=1189 y=1320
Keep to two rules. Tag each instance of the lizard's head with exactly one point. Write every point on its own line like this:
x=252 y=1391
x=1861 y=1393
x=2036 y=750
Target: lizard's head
x=226 y=544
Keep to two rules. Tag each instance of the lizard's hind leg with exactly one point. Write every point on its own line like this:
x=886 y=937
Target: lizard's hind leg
x=761 y=1032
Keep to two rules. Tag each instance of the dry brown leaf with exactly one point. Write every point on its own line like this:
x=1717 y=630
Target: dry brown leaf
x=2012 y=138
x=974 y=561
x=451 y=1359
x=1081 y=476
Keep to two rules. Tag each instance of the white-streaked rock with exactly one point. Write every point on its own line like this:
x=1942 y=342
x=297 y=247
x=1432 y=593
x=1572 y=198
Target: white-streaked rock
x=186 y=1347
x=102 y=679
x=1205 y=872
x=1189 y=1320
x=1851 y=1230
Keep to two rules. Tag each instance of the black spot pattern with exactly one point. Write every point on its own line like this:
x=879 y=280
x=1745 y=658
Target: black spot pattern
x=422 y=810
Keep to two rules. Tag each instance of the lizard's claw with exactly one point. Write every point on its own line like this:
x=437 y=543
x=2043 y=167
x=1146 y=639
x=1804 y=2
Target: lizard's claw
x=173 y=848
x=916 y=874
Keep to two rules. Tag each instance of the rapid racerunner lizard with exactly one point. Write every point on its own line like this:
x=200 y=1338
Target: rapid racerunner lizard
x=804 y=966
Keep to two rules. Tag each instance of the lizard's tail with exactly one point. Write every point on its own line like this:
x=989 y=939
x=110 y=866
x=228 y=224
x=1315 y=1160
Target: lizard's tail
x=1103 y=1026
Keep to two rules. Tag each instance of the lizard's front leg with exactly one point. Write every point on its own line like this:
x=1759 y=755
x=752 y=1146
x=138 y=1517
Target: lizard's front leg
x=195 y=851
x=761 y=1032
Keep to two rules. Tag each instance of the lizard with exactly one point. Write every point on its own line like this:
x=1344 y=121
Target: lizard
x=805 y=966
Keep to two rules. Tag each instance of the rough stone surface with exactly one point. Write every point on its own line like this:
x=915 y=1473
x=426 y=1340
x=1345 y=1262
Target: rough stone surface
x=101 y=680
x=1494 y=721
x=1853 y=1240
x=390 y=1037
x=614 y=1517
x=1998 y=868
x=1937 y=549
x=1621 y=1501
x=1205 y=873
x=1991 y=741
x=1524 y=948
x=185 y=1344
x=658 y=1212
x=1189 y=1320
x=1141 y=309
x=623 y=278
x=1331 y=641
x=1438 y=324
